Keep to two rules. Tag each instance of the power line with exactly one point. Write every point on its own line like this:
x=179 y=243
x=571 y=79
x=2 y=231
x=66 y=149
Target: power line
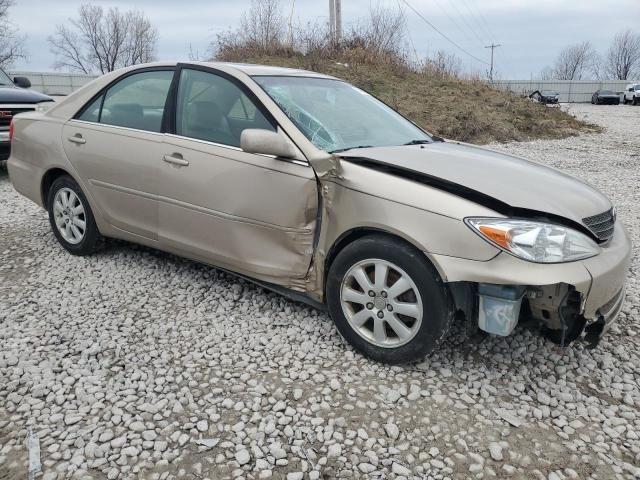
x=413 y=46
x=442 y=34
x=452 y=20
x=463 y=17
x=483 y=21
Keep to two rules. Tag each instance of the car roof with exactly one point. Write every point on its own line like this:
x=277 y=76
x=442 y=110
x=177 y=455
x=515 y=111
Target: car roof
x=254 y=70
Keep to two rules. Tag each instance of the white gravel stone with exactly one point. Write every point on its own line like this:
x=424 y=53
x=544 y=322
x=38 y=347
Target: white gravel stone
x=243 y=457
x=122 y=361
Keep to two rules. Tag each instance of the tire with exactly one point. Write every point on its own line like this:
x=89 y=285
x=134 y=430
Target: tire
x=427 y=304
x=63 y=201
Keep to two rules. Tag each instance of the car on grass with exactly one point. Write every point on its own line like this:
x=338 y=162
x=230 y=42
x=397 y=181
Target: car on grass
x=16 y=98
x=605 y=97
x=313 y=188
x=632 y=94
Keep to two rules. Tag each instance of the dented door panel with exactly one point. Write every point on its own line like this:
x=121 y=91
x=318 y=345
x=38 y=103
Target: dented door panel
x=250 y=213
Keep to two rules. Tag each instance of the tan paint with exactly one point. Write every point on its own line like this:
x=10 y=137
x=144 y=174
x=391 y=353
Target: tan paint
x=257 y=215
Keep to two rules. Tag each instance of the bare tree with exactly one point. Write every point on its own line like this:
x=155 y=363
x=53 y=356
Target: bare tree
x=263 y=24
x=103 y=41
x=312 y=38
x=547 y=73
x=573 y=61
x=623 y=57
x=383 y=32
x=443 y=65
x=11 y=43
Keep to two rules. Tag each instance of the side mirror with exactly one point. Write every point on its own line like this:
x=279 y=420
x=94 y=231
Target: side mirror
x=22 y=82
x=266 y=142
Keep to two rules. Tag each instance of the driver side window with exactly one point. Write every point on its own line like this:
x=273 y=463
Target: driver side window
x=210 y=107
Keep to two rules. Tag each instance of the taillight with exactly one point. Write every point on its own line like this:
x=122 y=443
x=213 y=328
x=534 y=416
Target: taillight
x=11 y=131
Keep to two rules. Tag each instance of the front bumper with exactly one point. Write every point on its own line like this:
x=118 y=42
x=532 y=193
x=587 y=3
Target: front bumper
x=600 y=280
x=5 y=145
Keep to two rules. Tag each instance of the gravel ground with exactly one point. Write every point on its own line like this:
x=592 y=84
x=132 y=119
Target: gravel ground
x=133 y=363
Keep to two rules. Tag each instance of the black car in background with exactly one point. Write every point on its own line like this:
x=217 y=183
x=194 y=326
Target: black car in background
x=16 y=98
x=546 y=96
x=605 y=97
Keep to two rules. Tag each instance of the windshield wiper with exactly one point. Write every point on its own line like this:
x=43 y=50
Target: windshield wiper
x=350 y=148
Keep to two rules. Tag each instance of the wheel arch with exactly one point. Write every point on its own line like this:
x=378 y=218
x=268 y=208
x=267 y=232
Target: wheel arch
x=356 y=233
x=48 y=178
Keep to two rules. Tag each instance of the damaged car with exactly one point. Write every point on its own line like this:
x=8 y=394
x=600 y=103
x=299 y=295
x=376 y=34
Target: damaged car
x=315 y=189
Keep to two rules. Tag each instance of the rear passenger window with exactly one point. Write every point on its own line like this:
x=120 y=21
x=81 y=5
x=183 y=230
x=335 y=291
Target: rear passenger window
x=137 y=101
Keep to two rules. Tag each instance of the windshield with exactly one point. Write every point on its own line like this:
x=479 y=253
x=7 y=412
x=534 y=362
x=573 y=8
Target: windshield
x=606 y=92
x=336 y=116
x=4 y=78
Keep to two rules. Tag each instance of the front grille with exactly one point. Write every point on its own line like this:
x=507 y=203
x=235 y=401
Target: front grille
x=601 y=225
x=5 y=119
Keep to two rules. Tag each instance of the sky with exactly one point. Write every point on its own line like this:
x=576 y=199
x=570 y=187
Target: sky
x=531 y=32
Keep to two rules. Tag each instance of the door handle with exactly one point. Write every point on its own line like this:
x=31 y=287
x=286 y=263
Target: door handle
x=77 y=139
x=176 y=159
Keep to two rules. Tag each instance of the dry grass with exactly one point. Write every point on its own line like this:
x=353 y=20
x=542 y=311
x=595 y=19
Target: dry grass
x=465 y=110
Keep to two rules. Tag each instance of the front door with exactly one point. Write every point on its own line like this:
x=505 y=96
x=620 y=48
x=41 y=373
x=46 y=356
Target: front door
x=116 y=146
x=253 y=214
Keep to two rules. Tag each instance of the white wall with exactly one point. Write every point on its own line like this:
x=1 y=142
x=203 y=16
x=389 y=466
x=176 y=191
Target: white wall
x=569 y=90
x=55 y=83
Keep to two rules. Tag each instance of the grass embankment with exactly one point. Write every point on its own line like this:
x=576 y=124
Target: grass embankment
x=465 y=110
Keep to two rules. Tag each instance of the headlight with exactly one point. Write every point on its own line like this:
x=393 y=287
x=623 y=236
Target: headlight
x=44 y=106
x=535 y=241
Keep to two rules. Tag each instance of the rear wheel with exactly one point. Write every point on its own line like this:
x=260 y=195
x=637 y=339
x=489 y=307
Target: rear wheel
x=71 y=217
x=387 y=301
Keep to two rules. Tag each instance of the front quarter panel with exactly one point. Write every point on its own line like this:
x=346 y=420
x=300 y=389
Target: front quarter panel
x=355 y=197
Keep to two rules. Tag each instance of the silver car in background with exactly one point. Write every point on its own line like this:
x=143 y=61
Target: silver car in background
x=314 y=188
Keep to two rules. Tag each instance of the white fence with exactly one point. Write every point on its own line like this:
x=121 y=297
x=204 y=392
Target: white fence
x=569 y=90
x=55 y=83
x=577 y=91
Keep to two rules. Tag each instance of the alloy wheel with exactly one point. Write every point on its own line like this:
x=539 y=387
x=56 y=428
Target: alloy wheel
x=381 y=302
x=69 y=216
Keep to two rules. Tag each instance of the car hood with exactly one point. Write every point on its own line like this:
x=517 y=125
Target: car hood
x=13 y=94
x=507 y=184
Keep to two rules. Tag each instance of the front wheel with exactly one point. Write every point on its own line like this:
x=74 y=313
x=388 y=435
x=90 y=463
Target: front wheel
x=71 y=217
x=387 y=300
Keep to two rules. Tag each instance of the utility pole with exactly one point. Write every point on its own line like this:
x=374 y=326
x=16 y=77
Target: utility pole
x=338 y=22
x=335 y=22
x=332 y=22
x=293 y=7
x=493 y=46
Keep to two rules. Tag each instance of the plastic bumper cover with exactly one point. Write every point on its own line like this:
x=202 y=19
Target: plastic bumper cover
x=600 y=279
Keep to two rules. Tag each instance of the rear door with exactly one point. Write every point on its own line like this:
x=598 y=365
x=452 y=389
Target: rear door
x=254 y=214
x=116 y=145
